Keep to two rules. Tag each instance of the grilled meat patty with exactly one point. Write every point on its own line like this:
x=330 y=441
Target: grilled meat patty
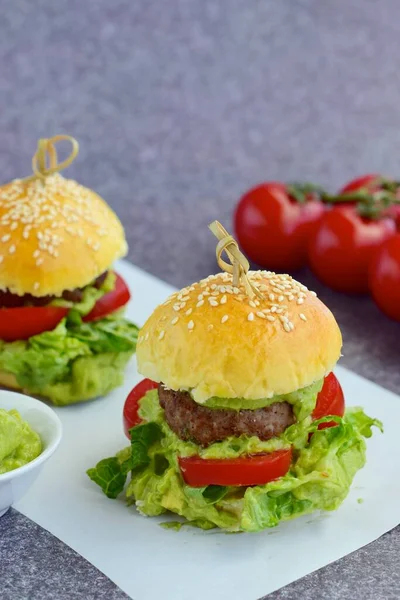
x=204 y=426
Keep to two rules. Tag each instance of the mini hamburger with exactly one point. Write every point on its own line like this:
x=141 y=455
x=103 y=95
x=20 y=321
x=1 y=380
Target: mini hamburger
x=240 y=423
x=62 y=334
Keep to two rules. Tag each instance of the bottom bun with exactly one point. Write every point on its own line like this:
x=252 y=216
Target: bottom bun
x=8 y=380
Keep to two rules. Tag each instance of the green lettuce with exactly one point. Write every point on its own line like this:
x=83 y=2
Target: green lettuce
x=19 y=444
x=75 y=361
x=322 y=471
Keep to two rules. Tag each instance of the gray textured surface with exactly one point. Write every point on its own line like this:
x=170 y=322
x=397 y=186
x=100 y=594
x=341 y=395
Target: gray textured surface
x=179 y=107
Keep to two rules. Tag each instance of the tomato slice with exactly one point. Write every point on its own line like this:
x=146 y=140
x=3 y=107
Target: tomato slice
x=330 y=401
x=255 y=469
x=111 y=301
x=23 y=322
x=131 y=406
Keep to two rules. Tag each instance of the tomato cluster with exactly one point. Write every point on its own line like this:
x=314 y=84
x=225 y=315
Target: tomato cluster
x=350 y=240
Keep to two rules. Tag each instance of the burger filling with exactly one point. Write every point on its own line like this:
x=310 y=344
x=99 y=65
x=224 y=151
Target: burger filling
x=239 y=469
x=83 y=353
x=204 y=426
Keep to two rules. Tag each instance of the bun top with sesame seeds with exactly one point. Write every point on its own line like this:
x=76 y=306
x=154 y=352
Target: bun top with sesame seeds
x=213 y=339
x=55 y=234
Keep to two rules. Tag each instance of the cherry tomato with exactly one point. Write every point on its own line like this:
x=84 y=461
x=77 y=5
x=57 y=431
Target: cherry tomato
x=131 y=406
x=255 y=469
x=23 y=322
x=111 y=301
x=368 y=182
x=385 y=277
x=330 y=401
x=343 y=245
x=273 y=228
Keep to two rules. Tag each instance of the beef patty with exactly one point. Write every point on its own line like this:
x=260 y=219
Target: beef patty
x=204 y=426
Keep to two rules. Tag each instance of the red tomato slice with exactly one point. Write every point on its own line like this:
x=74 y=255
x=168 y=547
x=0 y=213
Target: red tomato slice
x=131 y=406
x=111 y=301
x=23 y=322
x=256 y=469
x=330 y=401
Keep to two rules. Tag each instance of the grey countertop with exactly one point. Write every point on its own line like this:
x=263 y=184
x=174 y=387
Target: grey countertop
x=179 y=107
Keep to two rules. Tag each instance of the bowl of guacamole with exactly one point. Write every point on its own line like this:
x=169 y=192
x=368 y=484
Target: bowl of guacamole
x=30 y=432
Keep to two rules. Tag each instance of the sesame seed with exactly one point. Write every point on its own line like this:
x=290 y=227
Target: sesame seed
x=174 y=320
x=213 y=302
x=36 y=285
x=13 y=226
x=280 y=298
x=250 y=317
x=224 y=319
x=223 y=299
x=200 y=297
x=252 y=304
x=209 y=327
x=300 y=301
x=189 y=311
x=313 y=294
x=39 y=262
x=286 y=327
x=5 y=237
x=270 y=318
x=303 y=317
x=36 y=253
x=11 y=249
x=190 y=325
x=273 y=309
x=235 y=290
x=260 y=314
x=200 y=303
x=162 y=333
x=271 y=297
x=176 y=307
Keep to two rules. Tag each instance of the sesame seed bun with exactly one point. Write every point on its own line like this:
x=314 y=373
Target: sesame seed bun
x=55 y=235
x=212 y=339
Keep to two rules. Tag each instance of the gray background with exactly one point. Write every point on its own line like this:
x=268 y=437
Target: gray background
x=180 y=106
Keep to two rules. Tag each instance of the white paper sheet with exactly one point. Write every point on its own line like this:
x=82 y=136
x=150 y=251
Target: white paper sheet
x=148 y=562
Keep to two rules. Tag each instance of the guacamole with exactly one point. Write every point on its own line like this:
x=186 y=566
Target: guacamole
x=19 y=444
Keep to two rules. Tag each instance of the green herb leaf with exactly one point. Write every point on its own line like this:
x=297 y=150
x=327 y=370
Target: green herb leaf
x=213 y=493
x=142 y=438
x=109 y=475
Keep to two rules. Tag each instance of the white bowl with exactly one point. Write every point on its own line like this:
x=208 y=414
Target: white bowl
x=46 y=423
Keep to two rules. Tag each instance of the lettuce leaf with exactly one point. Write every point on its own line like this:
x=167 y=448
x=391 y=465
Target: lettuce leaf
x=322 y=471
x=75 y=361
